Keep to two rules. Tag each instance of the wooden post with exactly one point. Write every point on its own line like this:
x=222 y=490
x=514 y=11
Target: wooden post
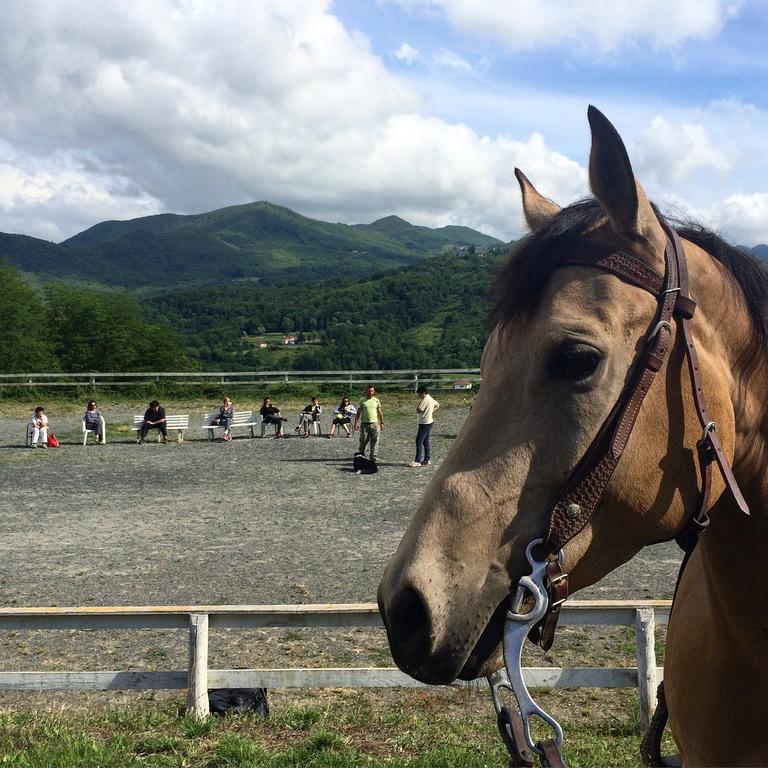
x=645 y=637
x=197 y=678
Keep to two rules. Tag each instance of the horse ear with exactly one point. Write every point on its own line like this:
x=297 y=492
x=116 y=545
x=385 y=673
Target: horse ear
x=538 y=209
x=614 y=185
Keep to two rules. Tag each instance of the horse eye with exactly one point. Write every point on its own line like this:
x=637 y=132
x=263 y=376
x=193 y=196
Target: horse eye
x=574 y=362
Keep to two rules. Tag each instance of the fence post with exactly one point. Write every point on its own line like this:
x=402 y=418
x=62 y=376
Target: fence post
x=415 y=381
x=645 y=638
x=197 y=674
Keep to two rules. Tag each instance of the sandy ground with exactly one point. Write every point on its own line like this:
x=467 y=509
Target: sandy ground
x=251 y=521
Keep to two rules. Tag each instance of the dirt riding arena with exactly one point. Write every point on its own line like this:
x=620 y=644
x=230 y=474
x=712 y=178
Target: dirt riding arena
x=259 y=521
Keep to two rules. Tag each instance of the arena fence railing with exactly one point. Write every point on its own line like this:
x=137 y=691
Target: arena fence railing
x=197 y=678
x=450 y=378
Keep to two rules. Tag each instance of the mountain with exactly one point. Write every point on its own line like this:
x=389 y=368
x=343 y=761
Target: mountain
x=426 y=239
x=761 y=251
x=261 y=241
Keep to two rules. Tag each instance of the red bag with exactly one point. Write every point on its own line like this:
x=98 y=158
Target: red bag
x=52 y=441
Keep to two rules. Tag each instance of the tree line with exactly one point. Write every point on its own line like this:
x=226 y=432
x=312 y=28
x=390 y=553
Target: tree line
x=430 y=315
x=69 y=328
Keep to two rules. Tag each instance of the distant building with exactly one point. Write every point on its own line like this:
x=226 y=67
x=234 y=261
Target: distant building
x=263 y=345
x=289 y=339
x=462 y=384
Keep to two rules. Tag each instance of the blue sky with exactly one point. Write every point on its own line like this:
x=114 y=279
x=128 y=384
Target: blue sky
x=351 y=110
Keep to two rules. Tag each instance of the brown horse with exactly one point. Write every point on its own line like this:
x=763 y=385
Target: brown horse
x=564 y=342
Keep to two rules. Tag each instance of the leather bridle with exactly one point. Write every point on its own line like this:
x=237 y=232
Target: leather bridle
x=583 y=490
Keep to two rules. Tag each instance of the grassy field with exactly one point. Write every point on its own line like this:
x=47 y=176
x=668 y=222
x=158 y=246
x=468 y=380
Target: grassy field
x=399 y=405
x=343 y=729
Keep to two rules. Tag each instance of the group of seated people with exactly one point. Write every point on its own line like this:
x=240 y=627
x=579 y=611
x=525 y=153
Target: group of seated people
x=270 y=413
x=309 y=416
x=154 y=418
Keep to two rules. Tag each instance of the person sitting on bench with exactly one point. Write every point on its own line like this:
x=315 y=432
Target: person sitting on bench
x=224 y=417
x=154 y=418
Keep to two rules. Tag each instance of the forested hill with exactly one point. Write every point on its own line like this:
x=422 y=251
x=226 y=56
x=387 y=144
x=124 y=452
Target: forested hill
x=259 y=241
x=430 y=315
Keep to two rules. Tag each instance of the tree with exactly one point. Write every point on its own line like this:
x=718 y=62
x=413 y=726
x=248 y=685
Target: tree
x=24 y=343
x=104 y=331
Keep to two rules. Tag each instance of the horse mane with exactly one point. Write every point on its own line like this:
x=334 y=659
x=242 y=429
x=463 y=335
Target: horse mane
x=520 y=282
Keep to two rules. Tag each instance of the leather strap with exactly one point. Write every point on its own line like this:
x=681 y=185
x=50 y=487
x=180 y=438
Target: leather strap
x=684 y=313
x=586 y=485
x=650 y=746
x=551 y=757
x=512 y=732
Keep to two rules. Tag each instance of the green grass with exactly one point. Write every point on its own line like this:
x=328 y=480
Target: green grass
x=344 y=731
x=398 y=404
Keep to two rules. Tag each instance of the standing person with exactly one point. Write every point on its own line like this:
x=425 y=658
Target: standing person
x=154 y=418
x=270 y=414
x=224 y=419
x=92 y=419
x=39 y=422
x=369 y=419
x=342 y=416
x=425 y=411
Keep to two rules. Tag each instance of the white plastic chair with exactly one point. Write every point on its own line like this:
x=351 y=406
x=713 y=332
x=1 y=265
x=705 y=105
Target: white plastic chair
x=86 y=432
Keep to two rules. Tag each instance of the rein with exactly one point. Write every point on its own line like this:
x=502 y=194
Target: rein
x=547 y=586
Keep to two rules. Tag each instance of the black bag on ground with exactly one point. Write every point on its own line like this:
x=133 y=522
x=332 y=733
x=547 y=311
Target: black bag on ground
x=224 y=700
x=364 y=466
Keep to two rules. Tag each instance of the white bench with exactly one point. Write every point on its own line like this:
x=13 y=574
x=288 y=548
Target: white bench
x=240 y=419
x=171 y=422
x=87 y=432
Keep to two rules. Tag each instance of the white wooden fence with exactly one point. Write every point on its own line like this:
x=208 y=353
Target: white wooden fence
x=410 y=378
x=197 y=620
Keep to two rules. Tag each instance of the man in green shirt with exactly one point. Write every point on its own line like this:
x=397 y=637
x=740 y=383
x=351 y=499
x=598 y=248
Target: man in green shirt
x=370 y=421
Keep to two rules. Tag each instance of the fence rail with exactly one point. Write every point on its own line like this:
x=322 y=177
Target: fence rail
x=410 y=378
x=643 y=615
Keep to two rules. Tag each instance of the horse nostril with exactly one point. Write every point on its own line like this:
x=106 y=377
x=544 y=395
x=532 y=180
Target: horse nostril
x=409 y=626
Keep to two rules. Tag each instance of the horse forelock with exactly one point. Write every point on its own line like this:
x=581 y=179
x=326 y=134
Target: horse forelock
x=520 y=282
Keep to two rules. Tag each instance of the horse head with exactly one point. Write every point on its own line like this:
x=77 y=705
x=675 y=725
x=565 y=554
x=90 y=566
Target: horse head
x=564 y=343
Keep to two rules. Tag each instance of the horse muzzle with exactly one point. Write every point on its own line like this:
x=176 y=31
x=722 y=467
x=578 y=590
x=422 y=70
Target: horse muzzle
x=434 y=639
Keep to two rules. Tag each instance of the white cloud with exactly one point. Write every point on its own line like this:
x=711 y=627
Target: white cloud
x=443 y=59
x=450 y=60
x=408 y=54
x=62 y=198
x=187 y=107
x=668 y=152
x=586 y=25
x=199 y=104
x=745 y=218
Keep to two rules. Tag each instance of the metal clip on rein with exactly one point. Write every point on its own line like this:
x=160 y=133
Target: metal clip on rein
x=516 y=629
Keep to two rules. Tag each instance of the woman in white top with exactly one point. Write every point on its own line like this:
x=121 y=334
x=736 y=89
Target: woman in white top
x=39 y=423
x=342 y=416
x=425 y=410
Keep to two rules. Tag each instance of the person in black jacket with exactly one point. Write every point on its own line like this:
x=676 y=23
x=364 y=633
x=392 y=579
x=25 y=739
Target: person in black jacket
x=154 y=418
x=270 y=414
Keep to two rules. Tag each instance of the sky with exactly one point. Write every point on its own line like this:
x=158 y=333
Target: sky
x=351 y=110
